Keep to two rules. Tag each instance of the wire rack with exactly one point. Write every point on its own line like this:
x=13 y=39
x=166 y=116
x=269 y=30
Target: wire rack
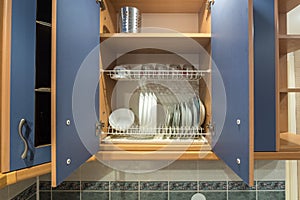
x=166 y=132
x=139 y=74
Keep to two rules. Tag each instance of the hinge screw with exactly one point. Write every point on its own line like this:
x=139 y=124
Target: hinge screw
x=69 y=161
x=68 y=122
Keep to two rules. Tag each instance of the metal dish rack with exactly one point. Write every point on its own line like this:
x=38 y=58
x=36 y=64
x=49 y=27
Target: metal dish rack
x=172 y=75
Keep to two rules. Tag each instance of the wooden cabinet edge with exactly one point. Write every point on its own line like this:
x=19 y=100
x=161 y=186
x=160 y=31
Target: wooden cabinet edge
x=23 y=174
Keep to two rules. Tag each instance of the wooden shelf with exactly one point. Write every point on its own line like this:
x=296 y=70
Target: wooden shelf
x=287 y=90
x=284 y=6
x=161 y=6
x=288 y=43
x=154 y=147
x=289 y=149
x=185 y=42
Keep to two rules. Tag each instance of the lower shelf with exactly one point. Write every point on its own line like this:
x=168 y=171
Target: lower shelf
x=289 y=150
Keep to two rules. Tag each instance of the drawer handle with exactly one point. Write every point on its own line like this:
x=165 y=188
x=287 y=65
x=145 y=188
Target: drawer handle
x=21 y=124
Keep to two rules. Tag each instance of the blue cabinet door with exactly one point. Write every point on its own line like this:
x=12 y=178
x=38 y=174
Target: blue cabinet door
x=77 y=33
x=264 y=73
x=22 y=82
x=232 y=85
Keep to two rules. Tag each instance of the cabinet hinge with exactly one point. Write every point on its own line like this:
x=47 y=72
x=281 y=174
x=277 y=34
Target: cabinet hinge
x=209 y=4
x=99 y=126
x=211 y=127
x=101 y=3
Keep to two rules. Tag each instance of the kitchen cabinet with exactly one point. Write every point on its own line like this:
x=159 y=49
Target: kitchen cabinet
x=18 y=79
x=235 y=144
x=281 y=144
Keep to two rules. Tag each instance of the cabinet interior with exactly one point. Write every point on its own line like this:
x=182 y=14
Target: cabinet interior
x=288 y=89
x=42 y=127
x=173 y=89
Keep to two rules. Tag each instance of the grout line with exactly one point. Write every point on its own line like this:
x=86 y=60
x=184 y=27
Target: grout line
x=227 y=192
x=168 y=190
x=139 y=192
x=256 y=189
x=37 y=187
x=109 y=191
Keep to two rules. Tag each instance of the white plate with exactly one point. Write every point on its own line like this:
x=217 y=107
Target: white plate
x=183 y=114
x=202 y=113
x=189 y=119
x=194 y=114
x=141 y=105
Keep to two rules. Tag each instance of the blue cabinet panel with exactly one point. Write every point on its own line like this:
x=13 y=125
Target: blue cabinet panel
x=77 y=35
x=230 y=53
x=22 y=86
x=264 y=76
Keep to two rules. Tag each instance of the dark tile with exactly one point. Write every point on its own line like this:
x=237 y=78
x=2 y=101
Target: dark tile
x=95 y=185
x=45 y=185
x=94 y=195
x=68 y=185
x=124 y=195
x=154 y=185
x=241 y=195
x=154 y=195
x=181 y=195
x=212 y=185
x=239 y=185
x=124 y=185
x=33 y=197
x=57 y=195
x=45 y=195
x=27 y=193
x=215 y=195
x=183 y=185
x=270 y=195
x=271 y=185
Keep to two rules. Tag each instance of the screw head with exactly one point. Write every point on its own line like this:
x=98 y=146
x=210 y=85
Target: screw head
x=238 y=161
x=68 y=122
x=238 y=121
x=69 y=161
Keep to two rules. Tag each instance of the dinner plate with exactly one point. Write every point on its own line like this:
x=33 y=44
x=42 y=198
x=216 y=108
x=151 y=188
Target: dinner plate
x=194 y=113
x=141 y=105
x=145 y=110
x=189 y=119
x=202 y=112
x=183 y=114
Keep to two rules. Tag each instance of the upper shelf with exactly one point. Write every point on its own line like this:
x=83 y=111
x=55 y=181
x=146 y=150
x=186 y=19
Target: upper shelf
x=126 y=38
x=288 y=90
x=289 y=43
x=285 y=6
x=161 y=6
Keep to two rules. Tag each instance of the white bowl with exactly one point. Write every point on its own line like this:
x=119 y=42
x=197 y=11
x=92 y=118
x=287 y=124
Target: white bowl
x=121 y=119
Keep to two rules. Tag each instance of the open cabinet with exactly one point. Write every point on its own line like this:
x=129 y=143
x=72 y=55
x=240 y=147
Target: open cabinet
x=275 y=142
x=18 y=83
x=225 y=31
x=228 y=135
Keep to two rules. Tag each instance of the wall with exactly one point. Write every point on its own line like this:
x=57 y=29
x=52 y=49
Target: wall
x=25 y=190
x=180 y=180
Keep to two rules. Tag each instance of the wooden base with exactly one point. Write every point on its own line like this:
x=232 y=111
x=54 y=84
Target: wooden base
x=23 y=174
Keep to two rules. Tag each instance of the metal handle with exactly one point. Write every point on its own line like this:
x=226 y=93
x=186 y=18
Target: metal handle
x=21 y=124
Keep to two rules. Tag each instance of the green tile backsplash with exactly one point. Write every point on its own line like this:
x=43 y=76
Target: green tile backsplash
x=163 y=190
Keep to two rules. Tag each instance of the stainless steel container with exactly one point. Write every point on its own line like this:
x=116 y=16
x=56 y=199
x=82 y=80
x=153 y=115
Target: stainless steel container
x=130 y=20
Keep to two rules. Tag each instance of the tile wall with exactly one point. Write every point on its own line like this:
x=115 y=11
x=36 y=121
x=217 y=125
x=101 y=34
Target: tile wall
x=180 y=180
x=25 y=190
